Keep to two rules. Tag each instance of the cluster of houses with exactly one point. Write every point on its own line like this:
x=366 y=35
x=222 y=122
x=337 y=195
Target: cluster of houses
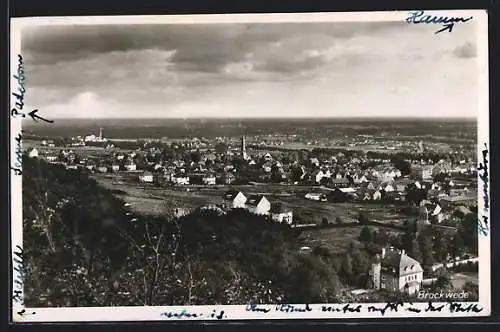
x=347 y=178
x=258 y=204
x=254 y=203
x=449 y=191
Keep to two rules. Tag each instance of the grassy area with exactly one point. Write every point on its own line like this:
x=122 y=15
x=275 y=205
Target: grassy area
x=335 y=239
x=146 y=198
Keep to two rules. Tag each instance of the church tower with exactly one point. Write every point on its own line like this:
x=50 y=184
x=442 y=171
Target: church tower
x=423 y=218
x=375 y=271
x=243 y=148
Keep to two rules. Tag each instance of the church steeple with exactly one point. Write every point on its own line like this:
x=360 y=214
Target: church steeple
x=423 y=218
x=243 y=148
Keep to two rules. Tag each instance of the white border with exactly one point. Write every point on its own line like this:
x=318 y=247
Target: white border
x=239 y=312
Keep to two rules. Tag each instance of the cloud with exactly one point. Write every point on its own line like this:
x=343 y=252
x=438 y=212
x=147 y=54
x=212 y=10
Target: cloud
x=240 y=69
x=85 y=105
x=467 y=50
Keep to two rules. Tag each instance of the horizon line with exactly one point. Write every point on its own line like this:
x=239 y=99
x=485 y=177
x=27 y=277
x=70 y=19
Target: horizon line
x=268 y=117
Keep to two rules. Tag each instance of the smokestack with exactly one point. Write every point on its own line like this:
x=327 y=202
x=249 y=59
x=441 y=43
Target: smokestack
x=383 y=253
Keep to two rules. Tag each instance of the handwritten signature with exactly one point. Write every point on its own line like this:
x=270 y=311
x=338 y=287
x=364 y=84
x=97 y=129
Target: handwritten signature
x=20 y=81
x=483 y=224
x=418 y=17
x=18 y=112
x=17 y=293
x=183 y=313
x=17 y=167
x=358 y=308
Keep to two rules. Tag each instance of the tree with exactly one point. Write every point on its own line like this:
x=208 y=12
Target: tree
x=440 y=177
x=441 y=248
x=363 y=219
x=425 y=245
x=457 y=245
x=415 y=252
x=366 y=235
x=381 y=237
x=443 y=283
x=401 y=165
x=195 y=156
x=468 y=232
x=346 y=267
x=360 y=266
x=221 y=148
x=338 y=220
x=324 y=221
x=472 y=290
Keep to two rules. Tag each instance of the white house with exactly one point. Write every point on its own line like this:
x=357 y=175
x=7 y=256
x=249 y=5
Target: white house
x=115 y=168
x=258 y=204
x=388 y=188
x=363 y=179
x=146 y=177
x=315 y=197
x=180 y=180
x=208 y=179
x=314 y=161
x=318 y=175
x=235 y=198
x=395 y=271
x=281 y=215
x=131 y=167
x=33 y=153
x=51 y=158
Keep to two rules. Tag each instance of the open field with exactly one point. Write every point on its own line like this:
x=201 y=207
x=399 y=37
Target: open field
x=337 y=240
x=148 y=199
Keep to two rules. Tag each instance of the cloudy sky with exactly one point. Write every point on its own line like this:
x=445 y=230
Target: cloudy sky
x=251 y=70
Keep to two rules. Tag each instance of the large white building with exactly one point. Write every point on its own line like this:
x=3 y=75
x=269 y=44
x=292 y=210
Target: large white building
x=395 y=271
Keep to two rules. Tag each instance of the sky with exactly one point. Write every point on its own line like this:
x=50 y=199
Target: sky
x=237 y=70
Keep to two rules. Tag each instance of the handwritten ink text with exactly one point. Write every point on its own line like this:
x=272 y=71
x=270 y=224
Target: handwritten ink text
x=484 y=176
x=18 y=162
x=20 y=81
x=418 y=17
x=18 y=259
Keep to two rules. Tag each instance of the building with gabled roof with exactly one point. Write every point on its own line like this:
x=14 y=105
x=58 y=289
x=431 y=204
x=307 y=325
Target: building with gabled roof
x=281 y=214
x=33 y=153
x=235 y=199
x=395 y=271
x=258 y=204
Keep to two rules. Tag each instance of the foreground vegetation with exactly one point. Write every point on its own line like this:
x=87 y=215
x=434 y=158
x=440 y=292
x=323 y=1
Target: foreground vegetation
x=84 y=247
